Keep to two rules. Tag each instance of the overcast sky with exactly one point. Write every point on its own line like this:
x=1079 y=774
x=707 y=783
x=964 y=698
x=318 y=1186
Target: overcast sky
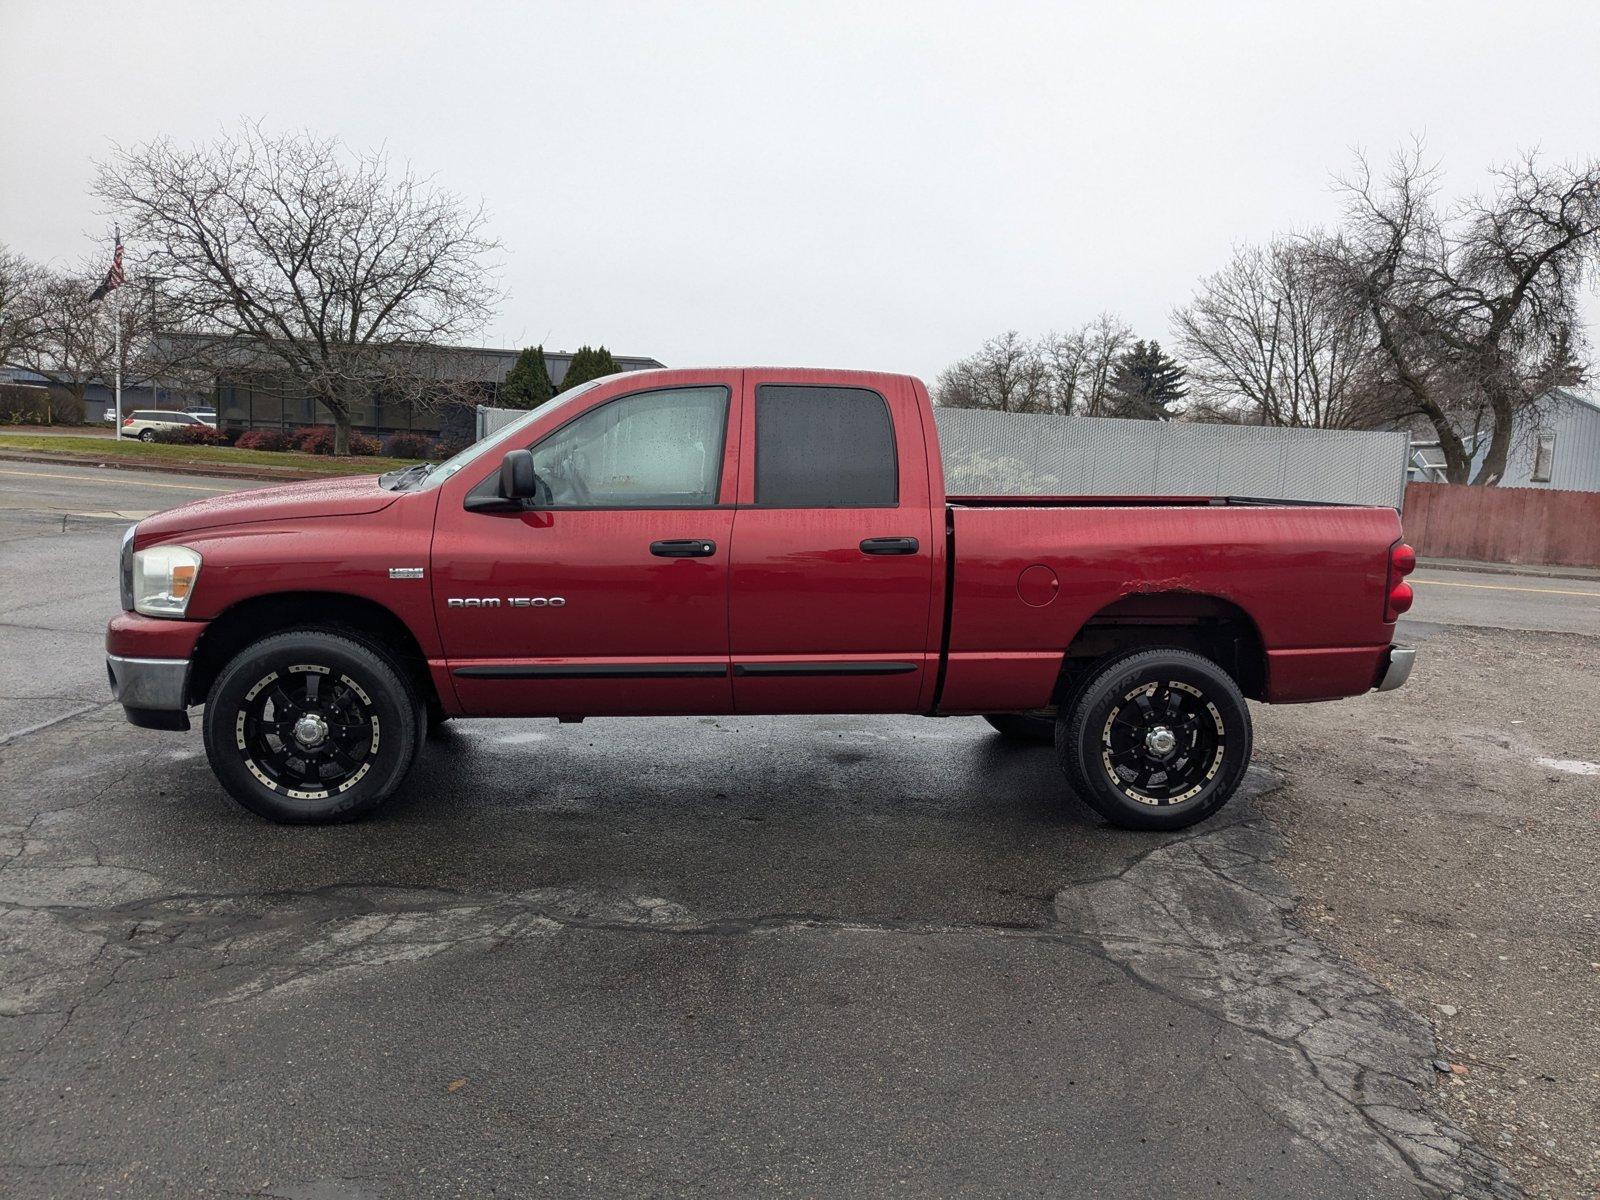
x=852 y=185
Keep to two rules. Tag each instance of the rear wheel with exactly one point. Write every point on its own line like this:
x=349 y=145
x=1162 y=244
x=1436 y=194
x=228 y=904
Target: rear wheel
x=1159 y=739
x=1021 y=727
x=309 y=727
x=147 y=435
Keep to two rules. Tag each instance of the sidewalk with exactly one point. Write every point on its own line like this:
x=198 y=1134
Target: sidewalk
x=1464 y=564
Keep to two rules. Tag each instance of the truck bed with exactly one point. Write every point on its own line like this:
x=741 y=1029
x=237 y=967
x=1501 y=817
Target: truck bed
x=1028 y=575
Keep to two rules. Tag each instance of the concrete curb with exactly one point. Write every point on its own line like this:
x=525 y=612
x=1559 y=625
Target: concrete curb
x=1489 y=568
x=216 y=471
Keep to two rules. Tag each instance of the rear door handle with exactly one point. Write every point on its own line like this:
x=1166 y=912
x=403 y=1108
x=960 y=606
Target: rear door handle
x=683 y=548
x=889 y=545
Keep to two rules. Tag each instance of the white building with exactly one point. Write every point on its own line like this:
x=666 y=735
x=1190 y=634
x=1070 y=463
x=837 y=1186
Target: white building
x=1562 y=452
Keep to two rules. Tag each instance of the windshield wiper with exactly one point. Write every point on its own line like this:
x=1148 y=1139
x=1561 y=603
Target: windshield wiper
x=401 y=476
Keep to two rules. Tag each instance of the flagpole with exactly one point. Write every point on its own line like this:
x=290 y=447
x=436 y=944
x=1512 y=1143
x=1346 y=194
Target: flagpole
x=117 y=319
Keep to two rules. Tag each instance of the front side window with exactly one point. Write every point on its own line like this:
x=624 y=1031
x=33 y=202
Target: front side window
x=824 y=447
x=651 y=450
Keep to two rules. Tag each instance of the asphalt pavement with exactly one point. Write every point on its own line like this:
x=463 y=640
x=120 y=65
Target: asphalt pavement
x=788 y=956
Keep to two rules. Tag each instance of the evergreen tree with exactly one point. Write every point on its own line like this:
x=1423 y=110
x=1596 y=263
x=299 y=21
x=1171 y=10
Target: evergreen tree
x=1147 y=383
x=528 y=384
x=587 y=364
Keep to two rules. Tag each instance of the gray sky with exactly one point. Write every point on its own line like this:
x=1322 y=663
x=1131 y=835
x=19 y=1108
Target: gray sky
x=852 y=185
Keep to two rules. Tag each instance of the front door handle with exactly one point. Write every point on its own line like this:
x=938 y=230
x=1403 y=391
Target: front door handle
x=889 y=545
x=683 y=548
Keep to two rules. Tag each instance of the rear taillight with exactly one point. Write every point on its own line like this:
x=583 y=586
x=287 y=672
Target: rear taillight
x=126 y=421
x=1402 y=561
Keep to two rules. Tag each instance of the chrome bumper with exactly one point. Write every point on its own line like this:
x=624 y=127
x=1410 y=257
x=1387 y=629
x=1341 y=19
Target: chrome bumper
x=1401 y=660
x=151 y=685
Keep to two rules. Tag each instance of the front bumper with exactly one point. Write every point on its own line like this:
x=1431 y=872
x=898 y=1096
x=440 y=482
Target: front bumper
x=152 y=691
x=1398 y=668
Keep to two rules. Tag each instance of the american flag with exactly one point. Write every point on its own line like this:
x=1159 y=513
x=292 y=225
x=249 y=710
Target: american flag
x=113 y=276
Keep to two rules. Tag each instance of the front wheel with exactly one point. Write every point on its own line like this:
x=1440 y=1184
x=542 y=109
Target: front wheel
x=1159 y=739
x=310 y=727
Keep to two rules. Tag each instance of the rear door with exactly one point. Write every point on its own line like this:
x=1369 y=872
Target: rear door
x=831 y=590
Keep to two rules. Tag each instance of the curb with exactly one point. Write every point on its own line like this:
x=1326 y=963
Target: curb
x=1495 y=568
x=216 y=471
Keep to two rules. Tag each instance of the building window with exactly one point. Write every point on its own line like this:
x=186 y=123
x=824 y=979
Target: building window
x=1544 y=457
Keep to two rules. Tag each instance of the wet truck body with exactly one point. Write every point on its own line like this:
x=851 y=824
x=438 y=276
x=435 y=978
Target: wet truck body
x=742 y=541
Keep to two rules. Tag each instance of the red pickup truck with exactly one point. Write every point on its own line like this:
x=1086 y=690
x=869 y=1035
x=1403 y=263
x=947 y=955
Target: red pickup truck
x=737 y=542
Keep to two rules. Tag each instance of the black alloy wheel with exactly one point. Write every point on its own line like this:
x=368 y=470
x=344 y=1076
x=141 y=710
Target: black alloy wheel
x=1158 y=739
x=312 y=726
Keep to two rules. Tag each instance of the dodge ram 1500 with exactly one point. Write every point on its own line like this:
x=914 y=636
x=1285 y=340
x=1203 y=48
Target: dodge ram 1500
x=737 y=542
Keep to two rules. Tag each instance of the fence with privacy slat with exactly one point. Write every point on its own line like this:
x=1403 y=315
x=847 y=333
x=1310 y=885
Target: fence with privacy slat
x=1531 y=526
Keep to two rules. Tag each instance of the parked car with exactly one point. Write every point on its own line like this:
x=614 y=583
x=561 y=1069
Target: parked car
x=144 y=422
x=204 y=411
x=742 y=541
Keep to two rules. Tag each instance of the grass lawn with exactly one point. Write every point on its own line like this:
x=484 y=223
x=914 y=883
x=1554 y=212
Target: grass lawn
x=106 y=449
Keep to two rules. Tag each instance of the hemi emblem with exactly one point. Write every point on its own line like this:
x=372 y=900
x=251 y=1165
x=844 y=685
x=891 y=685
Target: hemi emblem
x=405 y=572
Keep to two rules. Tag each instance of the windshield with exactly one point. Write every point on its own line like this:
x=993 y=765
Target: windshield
x=437 y=473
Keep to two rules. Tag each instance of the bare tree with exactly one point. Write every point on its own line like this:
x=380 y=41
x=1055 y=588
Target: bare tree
x=1082 y=362
x=72 y=339
x=330 y=266
x=1474 y=308
x=18 y=293
x=1273 y=334
x=1007 y=373
x=1061 y=373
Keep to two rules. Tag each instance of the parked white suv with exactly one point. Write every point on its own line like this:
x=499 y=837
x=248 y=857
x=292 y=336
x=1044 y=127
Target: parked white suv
x=142 y=423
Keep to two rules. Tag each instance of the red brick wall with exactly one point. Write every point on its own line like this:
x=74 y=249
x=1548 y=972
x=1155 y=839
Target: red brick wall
x=1501 y=524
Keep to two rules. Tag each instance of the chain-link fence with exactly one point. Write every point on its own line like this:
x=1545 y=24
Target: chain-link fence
x=1028 y=454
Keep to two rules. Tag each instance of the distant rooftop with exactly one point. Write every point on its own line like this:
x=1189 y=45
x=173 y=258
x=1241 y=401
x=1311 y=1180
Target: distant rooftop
x=480 y=364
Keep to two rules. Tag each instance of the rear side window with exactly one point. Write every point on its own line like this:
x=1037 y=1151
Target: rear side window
x=824 y=447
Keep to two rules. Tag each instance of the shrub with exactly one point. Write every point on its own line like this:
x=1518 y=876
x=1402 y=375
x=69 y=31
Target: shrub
x=318 y=439
x=21 y=405
x=190 y=435
x=262 y=439
x=407 y=445
x=446 y=450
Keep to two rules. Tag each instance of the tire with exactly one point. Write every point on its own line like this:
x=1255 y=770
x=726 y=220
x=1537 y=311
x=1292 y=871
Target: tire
x=1020 y=727
x=361 y=736
x=1158 y=739
x=147 y=435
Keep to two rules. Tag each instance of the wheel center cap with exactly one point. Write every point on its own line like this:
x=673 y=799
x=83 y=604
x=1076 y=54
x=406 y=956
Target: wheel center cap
x=310 y=730
x=1160 y=740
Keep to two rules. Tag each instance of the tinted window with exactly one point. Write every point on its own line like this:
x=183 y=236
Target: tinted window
x=824 y=447
x=652 y=450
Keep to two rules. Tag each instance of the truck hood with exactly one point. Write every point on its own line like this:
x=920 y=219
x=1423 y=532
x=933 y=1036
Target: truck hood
x=344 y=497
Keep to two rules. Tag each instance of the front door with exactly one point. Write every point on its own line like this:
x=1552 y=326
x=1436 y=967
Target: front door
x=610 y=597
x=831 y=595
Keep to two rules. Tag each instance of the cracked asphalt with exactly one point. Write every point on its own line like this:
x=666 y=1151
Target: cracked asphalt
x=796 y=956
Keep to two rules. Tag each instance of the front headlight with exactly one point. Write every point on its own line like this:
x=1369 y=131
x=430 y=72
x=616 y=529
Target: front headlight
x=163 y=580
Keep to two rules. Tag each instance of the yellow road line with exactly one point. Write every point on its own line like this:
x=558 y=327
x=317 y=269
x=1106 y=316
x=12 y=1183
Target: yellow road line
x=180 y=487
x=1500 y=587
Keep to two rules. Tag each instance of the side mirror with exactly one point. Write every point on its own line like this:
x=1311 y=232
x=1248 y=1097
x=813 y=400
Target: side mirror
x=517 y=480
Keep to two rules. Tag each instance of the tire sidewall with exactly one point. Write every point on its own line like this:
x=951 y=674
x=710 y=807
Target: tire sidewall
x=392 y=701
x=1080 y=737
